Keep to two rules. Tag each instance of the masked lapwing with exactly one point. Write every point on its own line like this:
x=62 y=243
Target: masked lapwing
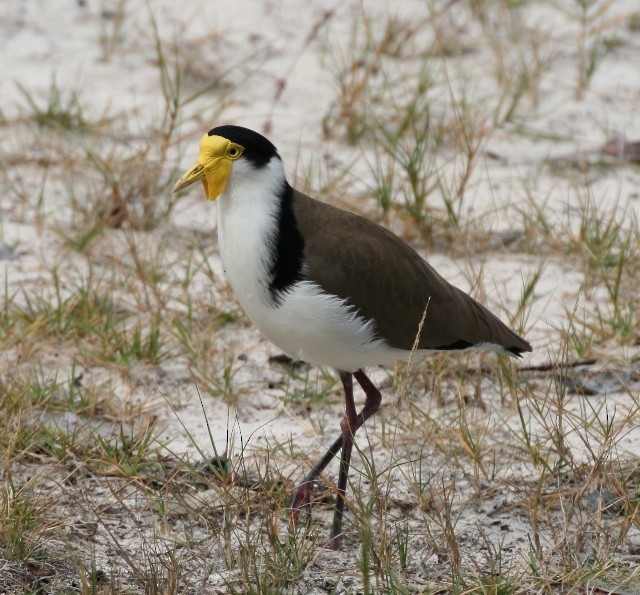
x=330 y=287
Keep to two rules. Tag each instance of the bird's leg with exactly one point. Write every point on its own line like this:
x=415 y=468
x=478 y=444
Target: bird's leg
x=302 y=494
x=373 y=398
x=350 y=425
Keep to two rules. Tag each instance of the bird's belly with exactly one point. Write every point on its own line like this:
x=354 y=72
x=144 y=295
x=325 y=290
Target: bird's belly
x=318 y=328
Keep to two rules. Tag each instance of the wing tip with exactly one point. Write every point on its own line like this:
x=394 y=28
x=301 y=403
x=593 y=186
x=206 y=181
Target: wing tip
x=519 y=350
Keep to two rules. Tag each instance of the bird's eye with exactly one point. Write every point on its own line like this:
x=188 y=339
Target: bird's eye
x=234 y=152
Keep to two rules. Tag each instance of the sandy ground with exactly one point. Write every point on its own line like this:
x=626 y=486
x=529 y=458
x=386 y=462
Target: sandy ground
x=272 y=54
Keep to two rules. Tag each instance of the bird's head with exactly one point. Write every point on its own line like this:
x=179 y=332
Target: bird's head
x=221 y=150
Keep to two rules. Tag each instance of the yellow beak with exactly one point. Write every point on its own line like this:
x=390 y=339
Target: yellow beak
x=212 y=167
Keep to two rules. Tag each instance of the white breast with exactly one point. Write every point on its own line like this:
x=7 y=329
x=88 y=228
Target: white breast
x=308 y=324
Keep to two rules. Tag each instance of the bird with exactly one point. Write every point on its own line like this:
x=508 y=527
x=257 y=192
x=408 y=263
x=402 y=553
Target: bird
x=330 y=287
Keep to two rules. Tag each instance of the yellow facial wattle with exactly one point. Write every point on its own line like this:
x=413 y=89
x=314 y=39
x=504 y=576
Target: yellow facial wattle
x=213 y=166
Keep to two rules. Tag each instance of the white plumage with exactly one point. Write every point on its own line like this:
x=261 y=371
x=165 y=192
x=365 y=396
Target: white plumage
x=309 y=324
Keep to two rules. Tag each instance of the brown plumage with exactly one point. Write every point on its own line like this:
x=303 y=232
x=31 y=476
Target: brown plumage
x=388 y=281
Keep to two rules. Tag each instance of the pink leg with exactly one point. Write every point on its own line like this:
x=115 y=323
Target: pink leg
x=349 y=426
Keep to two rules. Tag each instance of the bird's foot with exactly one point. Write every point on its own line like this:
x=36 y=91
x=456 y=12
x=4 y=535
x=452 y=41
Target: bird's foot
x=301 y=502
x=334 y=544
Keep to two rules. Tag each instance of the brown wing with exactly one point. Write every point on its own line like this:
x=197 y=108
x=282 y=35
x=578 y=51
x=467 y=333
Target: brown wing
x=387 y=281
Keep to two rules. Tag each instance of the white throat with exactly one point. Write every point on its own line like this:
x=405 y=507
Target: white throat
x=247 y=219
